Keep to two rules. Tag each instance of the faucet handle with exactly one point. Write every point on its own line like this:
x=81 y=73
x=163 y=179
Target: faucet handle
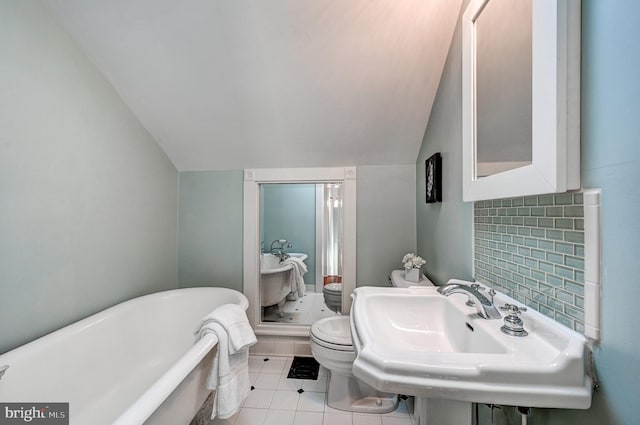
x=513 y=309
x=513 y=324
x=470 y=301
x=492 y=293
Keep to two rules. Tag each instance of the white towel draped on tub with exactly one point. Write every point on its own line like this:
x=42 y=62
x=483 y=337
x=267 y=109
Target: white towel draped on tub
x=234 y=320
x=229 y=375
x=297 y=274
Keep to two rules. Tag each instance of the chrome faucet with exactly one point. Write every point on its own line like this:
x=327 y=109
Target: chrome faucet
x=485 y=308
x=279 y=249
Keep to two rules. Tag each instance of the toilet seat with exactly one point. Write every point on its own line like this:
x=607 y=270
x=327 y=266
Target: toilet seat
x=333 y=332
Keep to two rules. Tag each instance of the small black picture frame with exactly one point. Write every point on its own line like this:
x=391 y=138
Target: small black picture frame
x=433 y=171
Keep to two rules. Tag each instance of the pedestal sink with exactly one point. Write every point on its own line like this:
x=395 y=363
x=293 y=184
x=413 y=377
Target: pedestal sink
x=416 y=341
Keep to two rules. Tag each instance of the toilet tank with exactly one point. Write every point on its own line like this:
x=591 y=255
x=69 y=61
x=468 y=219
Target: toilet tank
x=397 y=279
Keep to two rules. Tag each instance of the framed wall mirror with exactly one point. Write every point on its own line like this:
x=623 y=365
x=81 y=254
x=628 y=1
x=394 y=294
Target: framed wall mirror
x=521 y=82
x=298 y=216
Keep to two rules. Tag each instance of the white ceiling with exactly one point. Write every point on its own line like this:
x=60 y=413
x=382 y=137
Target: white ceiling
x=230 y=84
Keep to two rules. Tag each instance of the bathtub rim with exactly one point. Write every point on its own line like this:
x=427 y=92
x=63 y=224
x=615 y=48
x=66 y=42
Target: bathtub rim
x=145 y=405
x=289 y=266
x=87 y=321
x=166 y=383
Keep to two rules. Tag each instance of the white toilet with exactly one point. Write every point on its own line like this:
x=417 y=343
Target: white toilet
x=331 y=346
x=332 y=293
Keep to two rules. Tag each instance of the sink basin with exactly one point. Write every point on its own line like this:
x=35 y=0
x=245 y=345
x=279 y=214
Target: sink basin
x=425 y=324
x=416 y=341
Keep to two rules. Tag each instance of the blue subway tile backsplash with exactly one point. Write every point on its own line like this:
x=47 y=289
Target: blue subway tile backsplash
x=532 y=248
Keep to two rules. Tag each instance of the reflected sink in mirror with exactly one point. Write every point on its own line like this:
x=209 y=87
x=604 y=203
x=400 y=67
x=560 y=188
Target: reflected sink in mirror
x=416 y=341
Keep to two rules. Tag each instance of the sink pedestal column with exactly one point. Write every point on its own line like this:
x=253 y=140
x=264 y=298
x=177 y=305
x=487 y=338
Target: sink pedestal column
x=432 y=411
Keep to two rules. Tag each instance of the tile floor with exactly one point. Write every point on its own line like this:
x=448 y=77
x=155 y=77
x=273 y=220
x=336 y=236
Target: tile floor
x=305 y=311
x=277 y=400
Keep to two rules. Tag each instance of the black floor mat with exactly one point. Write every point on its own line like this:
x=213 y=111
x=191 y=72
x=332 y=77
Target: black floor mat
x=304 y=368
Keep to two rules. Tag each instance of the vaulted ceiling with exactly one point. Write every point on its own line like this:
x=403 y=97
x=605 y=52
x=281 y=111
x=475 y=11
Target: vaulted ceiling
x=229 y=84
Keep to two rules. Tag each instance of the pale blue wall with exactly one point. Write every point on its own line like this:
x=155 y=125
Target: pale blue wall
x=444 y=229
x=610 y=160
x=386 y=220
x=210 y=229
x=288 y=211
x=210 y=225
x=88 y=201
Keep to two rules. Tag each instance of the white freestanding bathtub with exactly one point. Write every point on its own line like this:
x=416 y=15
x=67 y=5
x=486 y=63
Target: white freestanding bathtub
x=275 y=280
x=136 y=362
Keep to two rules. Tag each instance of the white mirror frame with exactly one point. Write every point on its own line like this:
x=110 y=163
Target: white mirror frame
x=555 y=163
x=251 y=229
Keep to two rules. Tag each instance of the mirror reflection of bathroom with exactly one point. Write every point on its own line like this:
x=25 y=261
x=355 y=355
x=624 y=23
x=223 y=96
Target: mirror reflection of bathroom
x=300 y=252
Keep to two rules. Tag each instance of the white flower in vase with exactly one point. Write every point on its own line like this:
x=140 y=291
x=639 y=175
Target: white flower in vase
x=412 y=264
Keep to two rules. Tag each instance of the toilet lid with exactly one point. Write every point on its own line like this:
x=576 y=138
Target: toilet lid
x=398 y=280
x=333 y=288
x=335 y=330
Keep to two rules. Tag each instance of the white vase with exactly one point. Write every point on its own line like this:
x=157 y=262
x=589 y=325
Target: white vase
x=412 y=275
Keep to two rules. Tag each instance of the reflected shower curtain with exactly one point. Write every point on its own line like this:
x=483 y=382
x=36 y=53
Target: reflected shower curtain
x=332 y=231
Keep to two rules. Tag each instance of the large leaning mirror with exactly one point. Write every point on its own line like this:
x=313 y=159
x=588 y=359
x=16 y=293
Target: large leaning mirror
x=520 y=98
x=300 y=252
x=299 y=246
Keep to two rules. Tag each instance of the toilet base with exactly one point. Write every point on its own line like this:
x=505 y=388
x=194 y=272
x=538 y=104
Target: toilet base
x=346 y=392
